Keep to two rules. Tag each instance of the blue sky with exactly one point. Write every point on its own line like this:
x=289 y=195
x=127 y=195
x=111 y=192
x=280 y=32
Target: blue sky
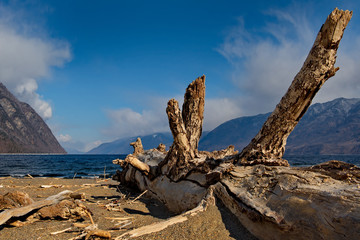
x=102 y=70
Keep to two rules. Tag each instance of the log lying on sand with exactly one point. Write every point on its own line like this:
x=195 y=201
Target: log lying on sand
x=271 y=199
x=292 y=203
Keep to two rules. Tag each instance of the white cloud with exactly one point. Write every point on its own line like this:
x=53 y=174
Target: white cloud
x=126 y=122
x=26 y=58
x=346 y=82
x=217 y=111
x=265 y=65
x=266 y=62
x=27 y=93
x=64 y=138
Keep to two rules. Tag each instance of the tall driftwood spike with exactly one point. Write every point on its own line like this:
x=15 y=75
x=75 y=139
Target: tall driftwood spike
x=186 y=128
x=193 y=111
x=177 y=159
x=268 y=146
x=177 y=126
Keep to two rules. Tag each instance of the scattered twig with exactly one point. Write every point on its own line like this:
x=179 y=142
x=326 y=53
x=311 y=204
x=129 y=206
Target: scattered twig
x=118 y=218
x=155 y=227
x=74 y=175
x=84 y=233
x=125 y=223
x=80 y=225
x=98 y=233
x=30 y=176
x=139 y=196
x=50 y=186
x=61 y=231
x=112 y=207
x=91 y=219
x=81 y=236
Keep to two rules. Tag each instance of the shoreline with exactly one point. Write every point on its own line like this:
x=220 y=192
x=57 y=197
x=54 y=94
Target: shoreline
x=98 y=194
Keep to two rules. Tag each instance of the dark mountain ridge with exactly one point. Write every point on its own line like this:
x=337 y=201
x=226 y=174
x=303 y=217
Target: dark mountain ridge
x=22 y=130
x=326 y=128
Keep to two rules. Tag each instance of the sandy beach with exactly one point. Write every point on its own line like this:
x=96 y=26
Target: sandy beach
x=215 y=223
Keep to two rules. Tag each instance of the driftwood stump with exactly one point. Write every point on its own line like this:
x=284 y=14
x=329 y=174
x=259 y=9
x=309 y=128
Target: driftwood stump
x=258 y=186
x=138 y=147
x=186 y=128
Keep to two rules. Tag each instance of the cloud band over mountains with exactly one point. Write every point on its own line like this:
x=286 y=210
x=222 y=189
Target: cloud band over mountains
x=26 y=58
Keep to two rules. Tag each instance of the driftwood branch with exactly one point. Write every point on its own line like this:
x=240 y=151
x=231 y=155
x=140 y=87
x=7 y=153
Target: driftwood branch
x=135 y=162
x=268 y=146
x=159 y=226
x=18 y=212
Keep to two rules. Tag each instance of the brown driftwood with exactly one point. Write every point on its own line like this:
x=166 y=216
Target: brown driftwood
x=183 y=168
x=138 y=147
x=268 y=146
x=186 y=128
x=278 y=200
x=18 y=212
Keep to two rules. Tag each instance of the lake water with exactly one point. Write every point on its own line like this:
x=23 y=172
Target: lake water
x=89 y=166
x=64 y=166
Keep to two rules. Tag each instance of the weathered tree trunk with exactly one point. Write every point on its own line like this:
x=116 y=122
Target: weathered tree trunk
x=178 y=178
x=193 y=111
x=280 y=202
x=294 y=203
x=186 y=128
x=268 y=146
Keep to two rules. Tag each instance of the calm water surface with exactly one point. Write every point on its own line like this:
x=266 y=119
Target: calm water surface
x=89 y=166
x=65 y=166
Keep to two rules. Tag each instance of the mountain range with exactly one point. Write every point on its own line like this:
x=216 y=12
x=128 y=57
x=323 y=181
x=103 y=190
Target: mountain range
x=122 y=145
x=326 y=128
x=22 y=130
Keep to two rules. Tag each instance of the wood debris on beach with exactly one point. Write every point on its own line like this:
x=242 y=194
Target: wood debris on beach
x=257 y=185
